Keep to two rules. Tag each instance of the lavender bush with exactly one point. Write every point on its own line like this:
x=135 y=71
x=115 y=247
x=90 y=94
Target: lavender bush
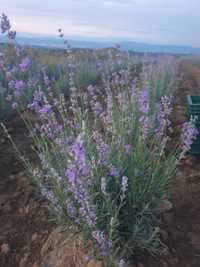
x=103 y=165
x=20 y=75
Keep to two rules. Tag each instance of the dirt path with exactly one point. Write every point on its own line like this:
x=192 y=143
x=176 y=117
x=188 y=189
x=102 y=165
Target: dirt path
x=182 y=225
x=24 y=225
x=23 y=215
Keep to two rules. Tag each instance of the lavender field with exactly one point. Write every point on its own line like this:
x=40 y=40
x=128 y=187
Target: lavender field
x=95 y=157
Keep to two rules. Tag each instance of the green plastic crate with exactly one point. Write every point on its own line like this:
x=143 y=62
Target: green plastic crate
x=193 y=102
x=193 y=106
x=193 y=109
x=195 y=149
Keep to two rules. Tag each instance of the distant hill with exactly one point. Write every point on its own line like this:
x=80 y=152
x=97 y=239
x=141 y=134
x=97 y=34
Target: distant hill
x=153 y=48
x=53 y=42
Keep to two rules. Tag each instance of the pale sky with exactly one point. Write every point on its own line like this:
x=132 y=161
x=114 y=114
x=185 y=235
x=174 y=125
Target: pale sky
x=152 y=21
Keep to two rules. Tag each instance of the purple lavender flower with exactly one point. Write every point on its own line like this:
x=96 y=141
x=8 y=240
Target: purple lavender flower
x=11 y=84
x=78 y=174
x=14 y=105
x=8 y=74
x=114 y=171
x=2 y=61
x=32 y=82
x=9 y=97
x=12 y=35
x=50 y=126
x=95 y=105
x=78 y=152
x=4 y=24
x=188 y=135
x=90 y=89
x=38 y=98
x=17 y=49
x=45 y=77
x=25 y=63
x=124 y=187
x=104 y=151
x=97 y=108
x=143 y=101
x=18 y=88
x=48 y=194
x=127 y=148
x=164 y=110
x=122 y=100
x=71 y=209
x=45 y=110
x=102 y=148
x=134 y=93
x=109 y=102
x=144 y=120
x=103 y=243
x=103 y=185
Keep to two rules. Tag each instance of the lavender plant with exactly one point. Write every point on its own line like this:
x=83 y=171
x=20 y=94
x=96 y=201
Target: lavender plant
x=103 y=164
x=19 y=76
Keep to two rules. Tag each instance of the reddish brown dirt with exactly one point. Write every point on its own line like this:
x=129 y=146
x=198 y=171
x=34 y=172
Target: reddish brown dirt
x=182 y=225
x=24 y=226
x=23 y=215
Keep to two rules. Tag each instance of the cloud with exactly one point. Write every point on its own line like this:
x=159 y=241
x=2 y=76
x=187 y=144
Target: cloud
x=154 y=21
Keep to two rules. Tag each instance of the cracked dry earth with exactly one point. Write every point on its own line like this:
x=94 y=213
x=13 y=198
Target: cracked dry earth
x=28 y=239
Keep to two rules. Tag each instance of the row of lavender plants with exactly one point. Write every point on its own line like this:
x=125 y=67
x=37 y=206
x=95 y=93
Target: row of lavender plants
x=103 y=163
x=24 y=69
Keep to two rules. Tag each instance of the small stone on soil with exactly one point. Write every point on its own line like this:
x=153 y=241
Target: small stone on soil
x=20 y=174
x=24 y=260
x=12 y=177
x=5 y=248
x=164 y=263
x=34 y=237
x=165 y=206
x=173 y=261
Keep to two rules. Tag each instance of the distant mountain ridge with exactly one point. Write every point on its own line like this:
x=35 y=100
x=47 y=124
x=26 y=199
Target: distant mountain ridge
x=53 y=42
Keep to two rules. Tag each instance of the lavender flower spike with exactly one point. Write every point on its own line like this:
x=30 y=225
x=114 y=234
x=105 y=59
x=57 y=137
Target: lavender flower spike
x=143 y=101
x=124 y=187
x=25 y=63
x=103 y=185
x=188 y=135
x=4 y=24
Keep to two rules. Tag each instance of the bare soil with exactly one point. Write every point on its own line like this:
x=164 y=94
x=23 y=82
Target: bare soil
x=28 y=239
x=181 y=227
x=23 y=214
